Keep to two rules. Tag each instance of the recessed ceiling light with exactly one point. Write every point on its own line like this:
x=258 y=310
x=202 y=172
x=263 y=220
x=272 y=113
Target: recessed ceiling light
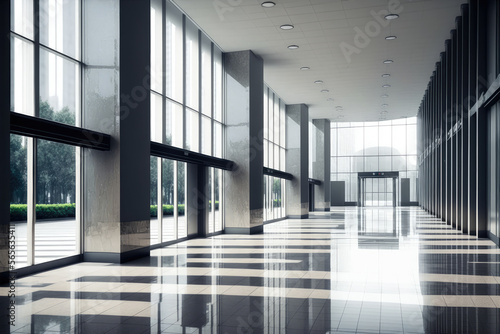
x=268 y=4
x=391 y=16
x=305 y=68
x=390 y=38
x=384 y=96
x=339 y=107
x=388 y=61
x=293 y=47
x=318 y=81
x=386 y=75
x=325 y=91
x=386 y=86
x=385 y=105
x=330 y=99
x=286 y=27
x=383 y=112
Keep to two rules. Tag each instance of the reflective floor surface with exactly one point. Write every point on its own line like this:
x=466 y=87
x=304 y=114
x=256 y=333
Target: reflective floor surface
x=373 y=270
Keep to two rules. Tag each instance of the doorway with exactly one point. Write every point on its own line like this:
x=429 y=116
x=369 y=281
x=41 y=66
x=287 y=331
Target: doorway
x=377 y=189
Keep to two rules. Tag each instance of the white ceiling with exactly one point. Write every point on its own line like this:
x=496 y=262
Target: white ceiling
x=321 y=27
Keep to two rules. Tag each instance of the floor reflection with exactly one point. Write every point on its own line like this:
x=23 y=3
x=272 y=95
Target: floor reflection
x=370 y=270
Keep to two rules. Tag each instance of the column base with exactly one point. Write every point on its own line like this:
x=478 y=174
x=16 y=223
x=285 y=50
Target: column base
x=109 y=257
x=298 y=216
x=244 y=230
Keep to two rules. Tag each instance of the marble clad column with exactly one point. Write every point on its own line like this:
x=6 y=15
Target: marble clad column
x=244 y=193
x=117 y=102
x=321 y=166
x=297 y=155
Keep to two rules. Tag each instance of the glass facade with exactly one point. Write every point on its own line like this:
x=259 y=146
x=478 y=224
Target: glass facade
x=370 y=147
x=186 y=112
x=274 y=154
x=46 y=83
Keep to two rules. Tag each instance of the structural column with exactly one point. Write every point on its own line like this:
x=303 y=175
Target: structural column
x=244 y=142
x=481 y=124
x=471 y=139
x=5 y=105
x=297 y=155
x=321 y=164
x=449 y=126
x=116 y=183
x=464 y=114
x=442 y=135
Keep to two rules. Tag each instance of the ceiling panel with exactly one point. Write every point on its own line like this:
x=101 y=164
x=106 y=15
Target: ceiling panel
x=321 y=29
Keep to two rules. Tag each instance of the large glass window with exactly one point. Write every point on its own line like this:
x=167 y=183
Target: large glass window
x=174 y=134
x=44 y=174
x=374 y=146
x=168 y=200
x=181 y=56
x=192 y=50
x=19 y=196
x=22 y=77
x=153 y=202
x=192 y=130
x=214 y=199
x=186 y=111
x=60 y=26
x=59 y=88
x=55 y=227
x=156 y=46
x=174 y=54
x=181 y=199
x=274 y=134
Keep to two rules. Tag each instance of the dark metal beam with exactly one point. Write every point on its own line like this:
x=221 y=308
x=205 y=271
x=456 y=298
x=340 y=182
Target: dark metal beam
x=35 y=127
x=179 y=154
x=278 y=173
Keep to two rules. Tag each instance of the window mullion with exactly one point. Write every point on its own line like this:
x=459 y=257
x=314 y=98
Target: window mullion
x=200 y=96
x=31 y=201
x=159 y=199
x=32 y=143
x=184 y=69
x=176 y=201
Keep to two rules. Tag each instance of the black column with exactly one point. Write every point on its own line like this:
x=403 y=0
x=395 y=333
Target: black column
x=442 y=115
x=5 y=104
x=453 y=122
x=481 y=129
x=457 y=127
x=449 y=122
x=464 y=115
x=472 y=155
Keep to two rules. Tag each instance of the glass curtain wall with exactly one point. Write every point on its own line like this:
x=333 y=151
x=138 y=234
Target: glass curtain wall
x=274 y=154
x=375 y=146
x=186 y=112
x=46 y=82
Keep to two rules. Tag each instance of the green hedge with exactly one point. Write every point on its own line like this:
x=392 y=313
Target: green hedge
x=43 y=211
x=276 y=203
x=50 y=211
x=168 y=210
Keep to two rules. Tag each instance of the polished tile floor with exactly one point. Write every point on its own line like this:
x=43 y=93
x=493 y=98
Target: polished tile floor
x=372 y=270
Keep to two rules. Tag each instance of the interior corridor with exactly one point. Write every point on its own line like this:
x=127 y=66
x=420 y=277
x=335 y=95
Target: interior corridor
x=351 y=270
